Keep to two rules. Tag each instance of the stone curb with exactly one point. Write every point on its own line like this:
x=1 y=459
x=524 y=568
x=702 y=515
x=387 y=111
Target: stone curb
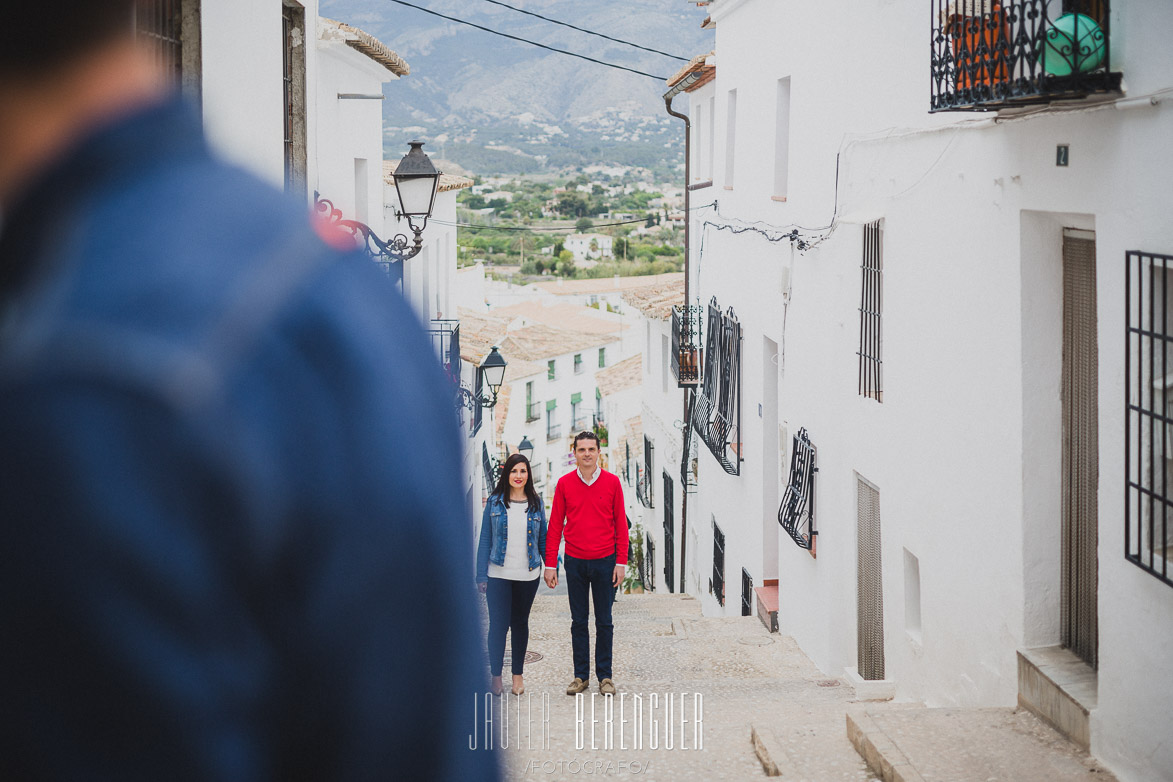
x=881 y=754
x=775 y=762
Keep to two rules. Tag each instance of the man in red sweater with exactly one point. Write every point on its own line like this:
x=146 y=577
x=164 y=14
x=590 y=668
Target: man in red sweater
x=588 y=507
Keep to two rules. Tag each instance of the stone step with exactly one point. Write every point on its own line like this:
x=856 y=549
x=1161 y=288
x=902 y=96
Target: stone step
x=966 y=745
x=1060 y=688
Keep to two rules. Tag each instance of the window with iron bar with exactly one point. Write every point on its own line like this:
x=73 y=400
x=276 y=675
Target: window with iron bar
x=870 y=308
x=478 y=412
x=796 y=514
x=649 y=563
x=746 y=593
x=718 y=583
x=1148 y=437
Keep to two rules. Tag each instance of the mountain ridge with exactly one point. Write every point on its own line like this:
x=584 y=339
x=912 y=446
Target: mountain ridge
x=470 y=92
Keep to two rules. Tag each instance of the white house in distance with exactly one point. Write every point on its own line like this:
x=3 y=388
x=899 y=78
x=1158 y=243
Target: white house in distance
x=958 y=320
x=553 y=352
x=588 y=247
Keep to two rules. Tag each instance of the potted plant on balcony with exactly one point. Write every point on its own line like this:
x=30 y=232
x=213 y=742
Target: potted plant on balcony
x=601 y=431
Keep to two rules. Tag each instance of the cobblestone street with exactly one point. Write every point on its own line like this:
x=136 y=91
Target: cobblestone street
x=745 y=675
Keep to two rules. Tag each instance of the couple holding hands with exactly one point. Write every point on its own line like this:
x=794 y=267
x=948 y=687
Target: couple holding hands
x=589 y=512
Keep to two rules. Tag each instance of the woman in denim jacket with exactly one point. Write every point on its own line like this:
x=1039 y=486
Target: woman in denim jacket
x=509 y=564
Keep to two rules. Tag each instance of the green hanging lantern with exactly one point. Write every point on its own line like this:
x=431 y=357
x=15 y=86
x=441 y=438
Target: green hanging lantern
x=1074 y=43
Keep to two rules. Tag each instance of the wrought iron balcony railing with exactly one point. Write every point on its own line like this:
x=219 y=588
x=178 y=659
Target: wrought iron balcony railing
x=445 y=336
x=992 y=54
x=533 y=411
x=553 y=431
x=643 y=486
x=686 y=354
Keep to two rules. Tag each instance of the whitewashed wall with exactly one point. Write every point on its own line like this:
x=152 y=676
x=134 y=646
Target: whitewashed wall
x=345 y=157
x=964 y=447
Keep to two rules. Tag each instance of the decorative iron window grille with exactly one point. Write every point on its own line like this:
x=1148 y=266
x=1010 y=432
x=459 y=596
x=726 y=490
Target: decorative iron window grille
x=670 y=524
x=643 y=486
x=670 y=553
x=688 y=453
x=1148 y=436
x=746 y=593
x=990 y=54
x=159 y=26
x=718 y=582
x=686 y=353
x=627 y=463
x=716 y=413
x=796 y=514
x=445 y=336
x=491 y=467
x=649 y=580
x=870 y=307
x=478 y=412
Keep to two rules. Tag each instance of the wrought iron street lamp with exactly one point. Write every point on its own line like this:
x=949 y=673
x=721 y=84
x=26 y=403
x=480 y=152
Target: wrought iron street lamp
x=526 y=449
x=492 y=371
x=416 y=182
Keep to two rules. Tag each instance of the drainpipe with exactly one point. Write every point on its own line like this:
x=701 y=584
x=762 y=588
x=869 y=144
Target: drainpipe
x=680 y=87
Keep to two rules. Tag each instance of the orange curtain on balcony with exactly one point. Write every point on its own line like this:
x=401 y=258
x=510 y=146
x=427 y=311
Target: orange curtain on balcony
x=974 y=40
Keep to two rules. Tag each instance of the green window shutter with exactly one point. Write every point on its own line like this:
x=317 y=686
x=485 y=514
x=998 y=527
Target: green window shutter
x=602 y=357
x=575 y=398
x=551 y=405
x=598 y=394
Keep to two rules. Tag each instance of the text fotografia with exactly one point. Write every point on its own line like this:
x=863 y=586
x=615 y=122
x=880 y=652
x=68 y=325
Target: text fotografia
x=607 y=768
x=627 y=721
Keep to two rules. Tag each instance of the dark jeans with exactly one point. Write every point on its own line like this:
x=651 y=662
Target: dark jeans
x=509 y=605
x=593 y=577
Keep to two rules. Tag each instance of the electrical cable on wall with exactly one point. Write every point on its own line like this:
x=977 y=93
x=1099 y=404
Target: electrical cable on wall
x=526 y=40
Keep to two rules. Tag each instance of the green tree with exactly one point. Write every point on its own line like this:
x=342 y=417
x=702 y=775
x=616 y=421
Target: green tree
x=584 y=224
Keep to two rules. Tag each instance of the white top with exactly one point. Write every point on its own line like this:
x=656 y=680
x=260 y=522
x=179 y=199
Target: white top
x=516 y=565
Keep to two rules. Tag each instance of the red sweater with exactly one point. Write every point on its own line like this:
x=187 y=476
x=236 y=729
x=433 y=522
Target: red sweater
x=594 y=517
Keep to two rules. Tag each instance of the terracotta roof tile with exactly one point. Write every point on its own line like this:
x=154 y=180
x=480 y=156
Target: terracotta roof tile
x=447 y=181
x=606 y=284
x=657 y=302
x=620 y=377
x=368 y=44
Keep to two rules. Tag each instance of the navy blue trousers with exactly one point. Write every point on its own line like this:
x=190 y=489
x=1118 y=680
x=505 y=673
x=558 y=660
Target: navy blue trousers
x=509 y=606
x=591 y=577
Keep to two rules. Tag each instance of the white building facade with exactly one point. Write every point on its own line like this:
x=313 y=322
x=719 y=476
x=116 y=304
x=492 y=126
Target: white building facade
x=960 y=313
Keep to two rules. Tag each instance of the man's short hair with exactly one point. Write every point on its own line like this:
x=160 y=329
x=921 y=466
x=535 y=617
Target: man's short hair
x=36 y=37
x=586 y=436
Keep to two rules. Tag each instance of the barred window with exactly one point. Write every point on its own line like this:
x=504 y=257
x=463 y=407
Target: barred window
x=1148 y=453
x=870 y=307
x=718 y=583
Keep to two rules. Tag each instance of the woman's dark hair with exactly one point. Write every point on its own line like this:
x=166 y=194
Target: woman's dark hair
x=502 y=490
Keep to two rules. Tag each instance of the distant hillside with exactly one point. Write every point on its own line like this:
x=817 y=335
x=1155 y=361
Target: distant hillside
x=498 y=106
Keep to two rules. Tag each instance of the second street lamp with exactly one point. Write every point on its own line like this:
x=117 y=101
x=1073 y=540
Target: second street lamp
x=526 y=449
x=492 y=371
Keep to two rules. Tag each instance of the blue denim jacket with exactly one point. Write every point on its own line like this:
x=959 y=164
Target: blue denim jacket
x=495 y=536
x=218 y=438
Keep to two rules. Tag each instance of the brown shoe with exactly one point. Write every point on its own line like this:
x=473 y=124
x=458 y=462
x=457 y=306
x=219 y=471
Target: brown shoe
x=607 y=687
x=576 y=686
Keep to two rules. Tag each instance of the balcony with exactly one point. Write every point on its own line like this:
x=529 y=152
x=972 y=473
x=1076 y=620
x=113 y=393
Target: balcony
x=445 y=336
x=686 y=367
x=987 y=55
x=553 y=432
x=533 y=411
